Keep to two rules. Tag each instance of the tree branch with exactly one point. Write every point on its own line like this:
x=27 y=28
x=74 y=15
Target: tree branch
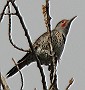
x=70 y=83
x=2 y=14
x=9 y=33
x=1 y=17
x=22 y=83
x=53 y=62
x=3 y=83
x=30 y=44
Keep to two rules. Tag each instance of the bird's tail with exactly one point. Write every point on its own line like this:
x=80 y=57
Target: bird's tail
x=26 y=60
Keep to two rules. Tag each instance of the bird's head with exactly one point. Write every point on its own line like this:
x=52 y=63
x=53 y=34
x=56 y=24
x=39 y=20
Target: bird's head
x=64 y=25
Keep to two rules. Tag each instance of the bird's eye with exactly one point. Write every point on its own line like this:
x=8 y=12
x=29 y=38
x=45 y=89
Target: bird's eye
x=63 y=21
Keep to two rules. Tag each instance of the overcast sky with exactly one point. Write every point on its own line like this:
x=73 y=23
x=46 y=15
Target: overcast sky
x=73 y=59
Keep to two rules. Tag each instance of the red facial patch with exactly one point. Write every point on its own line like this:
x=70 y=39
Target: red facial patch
x=63 y=23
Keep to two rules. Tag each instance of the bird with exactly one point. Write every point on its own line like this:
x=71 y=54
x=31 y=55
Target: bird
x=42 y=46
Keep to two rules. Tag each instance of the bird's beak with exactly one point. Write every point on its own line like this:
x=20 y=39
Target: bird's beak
x=72 y=20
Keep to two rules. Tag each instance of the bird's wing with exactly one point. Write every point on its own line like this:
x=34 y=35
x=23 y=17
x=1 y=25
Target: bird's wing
x=42 y=43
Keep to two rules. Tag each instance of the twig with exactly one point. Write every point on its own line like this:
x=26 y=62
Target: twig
x=10 y=14
x=30 y=44
x=2 y=14
x=70 y=83
x=53 y=86
x=1 y=17
x=3 y=83
x=9 y=33
x=20 y=74
x=48 y=16
x=14 y=46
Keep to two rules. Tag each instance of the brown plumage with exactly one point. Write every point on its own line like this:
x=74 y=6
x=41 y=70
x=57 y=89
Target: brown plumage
x=42 y=46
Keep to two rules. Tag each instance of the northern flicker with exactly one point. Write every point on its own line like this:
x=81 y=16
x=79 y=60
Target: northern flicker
x=42 y=46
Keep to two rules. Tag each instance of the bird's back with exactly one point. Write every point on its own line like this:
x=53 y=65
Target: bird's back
x=42 y=46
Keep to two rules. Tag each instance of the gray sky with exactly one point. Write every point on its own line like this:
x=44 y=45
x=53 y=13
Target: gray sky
x=72 y=60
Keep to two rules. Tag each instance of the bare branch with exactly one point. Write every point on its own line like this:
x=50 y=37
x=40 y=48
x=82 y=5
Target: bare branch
x=30 y=44
x=48 y=16
x=9 y=33
x=22 y=83
x=4 y=83
x=28 y=37
x=10 y=14
x=70 y=83
x=2 y=14
x=14 y=46
x=47 y=20
x=49 y=30
x=1 y=17
x=53 y=86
